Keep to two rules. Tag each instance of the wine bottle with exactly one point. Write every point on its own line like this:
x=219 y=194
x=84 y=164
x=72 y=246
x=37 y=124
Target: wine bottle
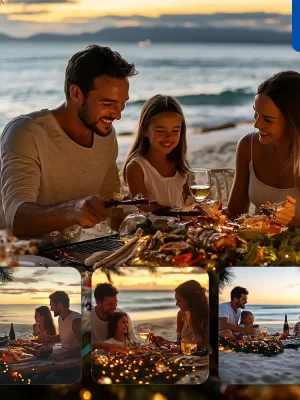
x=286 y=329
x=12 y=335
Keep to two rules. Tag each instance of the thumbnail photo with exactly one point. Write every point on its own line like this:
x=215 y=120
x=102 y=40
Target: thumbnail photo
x=150 y=325
x=40 y=325
x=259 y=327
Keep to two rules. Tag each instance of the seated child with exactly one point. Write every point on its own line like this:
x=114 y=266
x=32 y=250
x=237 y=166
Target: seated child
x=118 y=329
x=247 y=320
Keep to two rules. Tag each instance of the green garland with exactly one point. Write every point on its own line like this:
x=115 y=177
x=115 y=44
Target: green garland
x=267 y=349
x=146 y=369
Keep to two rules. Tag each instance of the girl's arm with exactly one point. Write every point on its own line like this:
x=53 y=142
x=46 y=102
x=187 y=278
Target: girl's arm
x=135 y=182
x=187 y=197
x=239 y=199
x=179 y=321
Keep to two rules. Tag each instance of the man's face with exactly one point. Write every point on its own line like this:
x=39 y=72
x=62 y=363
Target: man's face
x=103 y=104
x=242 y=301
x=55 y=308
x=109 y=305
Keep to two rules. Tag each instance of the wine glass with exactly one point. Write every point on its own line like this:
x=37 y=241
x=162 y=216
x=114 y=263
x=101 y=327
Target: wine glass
x=188 y=346
x=199 y=181
x=291 y=327
x=144 y=334
x=264 y=330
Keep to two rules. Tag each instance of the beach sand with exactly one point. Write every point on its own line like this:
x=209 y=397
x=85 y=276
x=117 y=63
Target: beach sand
x=165 y=327
x=251 y=369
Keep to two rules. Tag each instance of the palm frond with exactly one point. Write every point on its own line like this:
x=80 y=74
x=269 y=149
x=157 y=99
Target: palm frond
x=6 y=274
x=226 y=276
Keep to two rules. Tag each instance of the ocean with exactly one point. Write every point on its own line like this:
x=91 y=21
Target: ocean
x=214 y=83
x=274 y=314
x=24 y=313
x=147 y=304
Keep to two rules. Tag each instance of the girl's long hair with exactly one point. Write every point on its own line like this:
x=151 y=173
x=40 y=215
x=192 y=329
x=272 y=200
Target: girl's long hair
x=283 y=89
x=154 y=106
x=45 y=312
x=113 y=323
x=194 y=294
x=244 y=314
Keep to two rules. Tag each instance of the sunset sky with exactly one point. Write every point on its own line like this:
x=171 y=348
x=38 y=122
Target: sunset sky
x=274 y=285
x=167 y=278
x=34 y=285
x=25 y=17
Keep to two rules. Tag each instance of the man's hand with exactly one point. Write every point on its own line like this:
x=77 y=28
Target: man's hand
x=116 y=348
x=89 y=212
x=250 y=331
x=43 y=337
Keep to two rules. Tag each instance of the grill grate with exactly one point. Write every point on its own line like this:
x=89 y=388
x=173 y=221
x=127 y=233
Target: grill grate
x=62 y=253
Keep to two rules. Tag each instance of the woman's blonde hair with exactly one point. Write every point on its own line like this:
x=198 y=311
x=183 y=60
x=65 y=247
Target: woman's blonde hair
x=283 y=89
x=154 y=106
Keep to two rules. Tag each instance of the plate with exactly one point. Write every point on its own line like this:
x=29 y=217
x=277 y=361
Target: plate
x=36 y=261
x=192 y=361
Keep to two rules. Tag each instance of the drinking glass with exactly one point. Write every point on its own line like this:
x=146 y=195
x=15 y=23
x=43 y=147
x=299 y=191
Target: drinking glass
x=144 y=334
x=188 y=346
x=199 y=181
x=291 y=327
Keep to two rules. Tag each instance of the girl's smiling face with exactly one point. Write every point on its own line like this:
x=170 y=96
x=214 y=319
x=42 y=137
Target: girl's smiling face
x=163 y=131
x=249 y=320
x=122 y=325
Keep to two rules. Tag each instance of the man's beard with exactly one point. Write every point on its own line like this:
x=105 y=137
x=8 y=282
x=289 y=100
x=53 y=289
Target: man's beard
x=83 y=115
x=56 y=313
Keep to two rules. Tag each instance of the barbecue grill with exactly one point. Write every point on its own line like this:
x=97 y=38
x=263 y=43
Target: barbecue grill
x=66 y=254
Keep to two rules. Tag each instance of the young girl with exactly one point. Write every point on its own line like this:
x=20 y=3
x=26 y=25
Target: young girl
x=156 y=165
x=43 y=321
x=247 y=320
x=118 y=328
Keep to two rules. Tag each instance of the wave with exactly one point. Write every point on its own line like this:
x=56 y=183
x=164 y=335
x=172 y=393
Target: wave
x=226 y=98
x=161 y=307
x=143 y=300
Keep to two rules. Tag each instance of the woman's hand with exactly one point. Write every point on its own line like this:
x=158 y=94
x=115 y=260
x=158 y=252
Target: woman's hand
x=287 y=216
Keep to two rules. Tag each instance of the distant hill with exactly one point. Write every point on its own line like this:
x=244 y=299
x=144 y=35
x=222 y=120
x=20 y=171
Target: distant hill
x=161 y=34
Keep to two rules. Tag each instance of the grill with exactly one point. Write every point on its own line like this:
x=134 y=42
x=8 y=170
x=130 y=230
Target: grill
x=62 y=253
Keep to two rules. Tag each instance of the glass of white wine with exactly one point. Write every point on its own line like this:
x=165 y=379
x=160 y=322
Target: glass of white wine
x=188 y=346
x=199 y=181
x=144 y=334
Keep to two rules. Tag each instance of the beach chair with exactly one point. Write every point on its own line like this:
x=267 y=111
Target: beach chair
x=221 y=183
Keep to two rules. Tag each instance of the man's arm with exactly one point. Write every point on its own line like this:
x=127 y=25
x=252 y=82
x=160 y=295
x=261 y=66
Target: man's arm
x=109 y=347
x=76 y=352
x=224 y=324
x=34 y=219
x=20 y=184
x=43 y=337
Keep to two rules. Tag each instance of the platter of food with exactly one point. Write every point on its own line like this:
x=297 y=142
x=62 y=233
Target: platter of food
x=42 y=350
x=14 y=355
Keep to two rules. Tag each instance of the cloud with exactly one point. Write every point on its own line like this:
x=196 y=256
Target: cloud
x=22 y=25
x=40 y=1
x=292 y=286
x=43 y=272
